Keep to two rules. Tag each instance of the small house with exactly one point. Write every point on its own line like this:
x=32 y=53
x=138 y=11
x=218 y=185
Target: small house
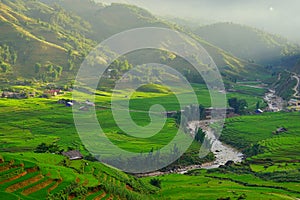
x=88 y=103
x=73 y=155
x=84 y=108
x=170 y=114
x=280 y=130
x=8 y=94
x=294 y=102
x=69 y=104
x=53 y=92
x=259 y=111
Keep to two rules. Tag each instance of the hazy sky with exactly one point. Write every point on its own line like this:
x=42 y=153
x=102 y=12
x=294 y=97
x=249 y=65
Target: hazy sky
x=275 y=16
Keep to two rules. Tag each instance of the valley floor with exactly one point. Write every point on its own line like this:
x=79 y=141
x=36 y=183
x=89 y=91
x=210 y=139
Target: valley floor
x=270 y=171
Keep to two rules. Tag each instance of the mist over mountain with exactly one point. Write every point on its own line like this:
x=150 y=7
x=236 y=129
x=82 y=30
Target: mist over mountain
x=249 y=43
x=274 y=16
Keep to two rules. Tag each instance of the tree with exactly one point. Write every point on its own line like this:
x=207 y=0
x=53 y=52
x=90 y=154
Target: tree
x=257 y=105
x=254 y=150
x=200 y=135
x=41 y=148
x=177 y=117
x=202 y=112
x=54 y=74
x=50 y=68
x=114 y=73
x=4 y=67
x=155 y=182
x=70 y=65
x=242 y=106
x=53 y=148
x=37 y=67
x=59 y=70
x=14 y=57
x=233 y=102
x=239 y=106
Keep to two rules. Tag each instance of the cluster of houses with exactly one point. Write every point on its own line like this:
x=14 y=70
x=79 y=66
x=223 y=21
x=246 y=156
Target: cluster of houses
x=275 y=103
x=31 y=94
x=17 y=95
x=294 y=104
x=218 y=112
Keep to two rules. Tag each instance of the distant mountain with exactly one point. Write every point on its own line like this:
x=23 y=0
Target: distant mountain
x=249 y=43
x=47 y=40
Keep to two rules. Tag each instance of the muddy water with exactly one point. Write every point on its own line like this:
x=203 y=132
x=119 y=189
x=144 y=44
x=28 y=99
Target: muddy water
x=222 y=152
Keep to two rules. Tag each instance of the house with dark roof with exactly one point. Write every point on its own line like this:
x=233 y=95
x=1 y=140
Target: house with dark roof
x=14 y=95
x=73 y=155
x=281 y=130
x=259 y=111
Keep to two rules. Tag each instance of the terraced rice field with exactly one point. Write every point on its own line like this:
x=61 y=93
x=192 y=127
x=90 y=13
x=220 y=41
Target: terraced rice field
x=22 y=179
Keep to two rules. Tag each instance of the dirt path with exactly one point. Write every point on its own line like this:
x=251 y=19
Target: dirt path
x=297 y=86
x=279 y=77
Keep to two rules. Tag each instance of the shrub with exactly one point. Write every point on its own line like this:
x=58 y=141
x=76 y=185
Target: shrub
x=155 y=182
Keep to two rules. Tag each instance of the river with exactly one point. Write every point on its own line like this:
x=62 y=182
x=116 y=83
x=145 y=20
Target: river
x=223 y=153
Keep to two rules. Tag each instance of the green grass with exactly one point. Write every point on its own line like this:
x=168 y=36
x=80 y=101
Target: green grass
x=243 y=131
x=24 y=124
x=27 y=123
x=8 y=196
x=245 y=89
x=203 y=187
x=153 y=88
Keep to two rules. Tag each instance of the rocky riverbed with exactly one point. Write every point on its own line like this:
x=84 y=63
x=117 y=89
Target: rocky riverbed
x=222 y=152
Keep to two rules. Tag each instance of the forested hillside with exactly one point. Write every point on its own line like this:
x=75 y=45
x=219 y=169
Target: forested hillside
x=49 y=40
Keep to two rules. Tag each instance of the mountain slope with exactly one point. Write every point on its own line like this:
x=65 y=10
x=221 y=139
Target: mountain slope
x=51 y=38
x=248 y=43
x=34 y=41
x=109 y=20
